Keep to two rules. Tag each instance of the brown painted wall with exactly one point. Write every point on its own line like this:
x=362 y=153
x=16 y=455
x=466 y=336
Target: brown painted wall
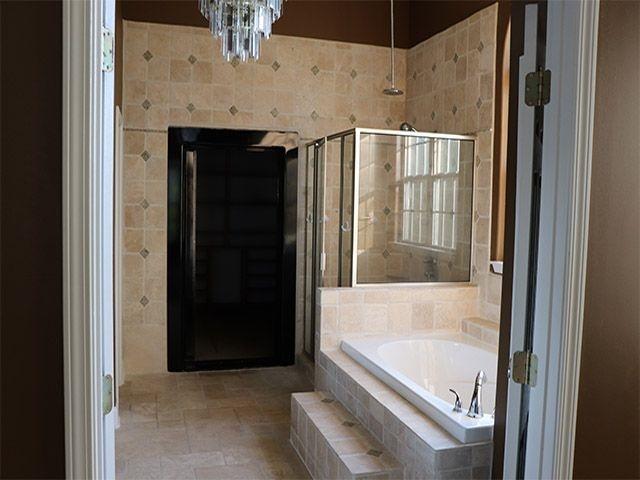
x=357 y=21
x=32 y=415
x=608 y=428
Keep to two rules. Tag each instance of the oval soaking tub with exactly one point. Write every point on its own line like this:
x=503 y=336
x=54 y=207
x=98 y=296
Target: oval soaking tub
x=422 y=369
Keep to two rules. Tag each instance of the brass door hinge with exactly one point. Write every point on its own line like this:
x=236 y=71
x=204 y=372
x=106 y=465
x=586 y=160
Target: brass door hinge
x=537 y=88
x=107 y=50
x=107 y=394
x=524 y=368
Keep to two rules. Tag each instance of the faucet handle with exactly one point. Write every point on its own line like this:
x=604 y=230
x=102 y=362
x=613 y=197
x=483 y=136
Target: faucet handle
x=457 y=405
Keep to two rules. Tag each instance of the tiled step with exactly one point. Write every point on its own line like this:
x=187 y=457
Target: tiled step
x=332 y=443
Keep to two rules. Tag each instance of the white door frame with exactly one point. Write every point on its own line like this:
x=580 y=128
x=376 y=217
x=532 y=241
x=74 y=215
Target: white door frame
x=87 y=242
x=566 y=177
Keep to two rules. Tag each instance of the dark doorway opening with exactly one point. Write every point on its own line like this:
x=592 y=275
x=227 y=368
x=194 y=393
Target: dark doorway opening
x=231 y=260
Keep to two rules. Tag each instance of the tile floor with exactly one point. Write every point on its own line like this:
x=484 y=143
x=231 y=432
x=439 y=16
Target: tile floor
x=209 y=425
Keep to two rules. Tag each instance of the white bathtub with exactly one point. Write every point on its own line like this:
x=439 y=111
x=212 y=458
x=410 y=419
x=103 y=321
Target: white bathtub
x=423 y=368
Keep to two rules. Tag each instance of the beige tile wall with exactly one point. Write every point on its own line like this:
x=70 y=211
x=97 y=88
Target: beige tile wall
x=175 y=76
x=450 y=88
x=344 y=313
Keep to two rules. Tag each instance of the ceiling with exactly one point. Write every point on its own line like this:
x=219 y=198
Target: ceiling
x=357 y=21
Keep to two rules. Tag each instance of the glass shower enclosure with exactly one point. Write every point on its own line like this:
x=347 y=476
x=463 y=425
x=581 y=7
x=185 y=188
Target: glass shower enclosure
x=386 y=206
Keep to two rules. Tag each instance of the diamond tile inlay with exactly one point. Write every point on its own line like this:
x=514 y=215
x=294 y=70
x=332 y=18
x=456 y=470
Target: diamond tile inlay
x=353 y=74
x=352 y=118
x=388 y=77
x=144 y=204
x=327 y=400
x=433 y=115
x=374 y=453
x=476 y=216
x=479 y=103
x=146 y=104
x=233 y=110
x=385 y=253
x=478 y=161
x=480 y=46
x=388 y=121
x=415 y=75
x=387 y=166
x=192 y=59
x=274 y=112
x=314 y=115
x=387 y=210
x=433 y=68
x=144 y=252
x=275 y=65
x=145 y=155
x=454 y=110
x=144 y=301
x=346 y=423
x=235 y=61
x=455 y=58
x=315 y=70
x=147 y=55
x=191 y=107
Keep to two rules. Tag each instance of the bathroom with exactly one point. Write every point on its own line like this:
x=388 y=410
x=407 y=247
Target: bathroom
x=393 y=154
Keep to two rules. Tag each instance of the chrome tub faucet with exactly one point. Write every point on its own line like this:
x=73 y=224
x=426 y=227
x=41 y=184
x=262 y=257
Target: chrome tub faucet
x=475 y=408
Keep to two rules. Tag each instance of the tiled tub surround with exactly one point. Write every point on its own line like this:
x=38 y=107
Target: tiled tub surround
x=424 y=368
x=424 y=449
x=174 y=75
x=346 y=313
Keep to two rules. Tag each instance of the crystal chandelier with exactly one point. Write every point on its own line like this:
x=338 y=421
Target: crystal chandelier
x=241 y=24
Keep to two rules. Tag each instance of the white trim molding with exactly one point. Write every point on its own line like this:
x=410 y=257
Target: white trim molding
x=576 y=268
x=81 y=239
x=566 y=176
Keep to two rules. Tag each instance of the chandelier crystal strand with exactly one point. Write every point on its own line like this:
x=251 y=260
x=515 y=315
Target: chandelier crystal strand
x=241 y=24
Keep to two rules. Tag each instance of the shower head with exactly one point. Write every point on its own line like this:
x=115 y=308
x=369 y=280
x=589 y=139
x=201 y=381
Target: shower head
x=407 y=127
x=392 y=90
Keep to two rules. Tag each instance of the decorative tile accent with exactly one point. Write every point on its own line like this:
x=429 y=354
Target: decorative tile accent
x=144 y=204
x=386 y=210
x=478 y=161
x=433 y=115
x=385 y=253
x=374 y=453
x=144 y=301
x=315 y=70
x=347 y=423
x=388 y=77
x=476 y=216
x=235 y=61
x=314 y=115
x=433 y=68
x=388 y=121
x=479 y=103
x=275 y=65
x=455 y=58
x=352 y=118
x=415 y=75
x=147 y=55
x=145 y=155
x=146 y=104
x=353 y=74
x=233 y=110
x=144 y=253
x=274 y=112
x=327 y=400
x=191 y=107
x=192 y=59
x=480 y=46
x=454 y=110
x=387 y=167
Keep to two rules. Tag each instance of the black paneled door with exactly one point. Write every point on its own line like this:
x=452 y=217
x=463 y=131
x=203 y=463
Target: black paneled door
x=232 y=243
